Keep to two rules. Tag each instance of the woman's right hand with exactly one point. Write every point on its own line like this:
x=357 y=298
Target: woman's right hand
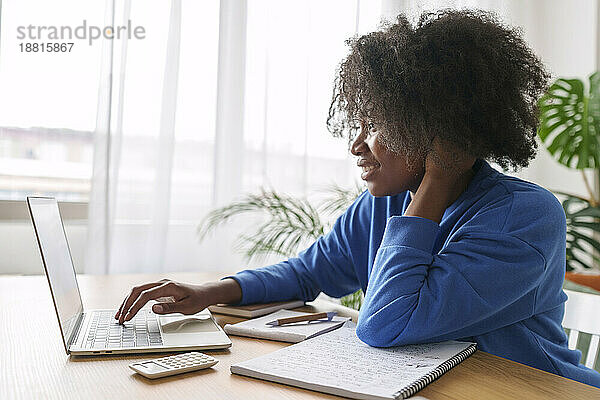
x=188 y=298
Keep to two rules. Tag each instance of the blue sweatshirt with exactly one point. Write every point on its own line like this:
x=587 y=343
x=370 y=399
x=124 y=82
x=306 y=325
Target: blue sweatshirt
x=491 y=272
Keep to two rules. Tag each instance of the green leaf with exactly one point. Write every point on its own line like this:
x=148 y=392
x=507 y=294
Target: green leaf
x=353 y=300
x=590 y=240
x=595 y=226
x=339 y=199
x=572 y=260
x=574 y=245
x=570 y=122
x=587 y=212
x=583 y=220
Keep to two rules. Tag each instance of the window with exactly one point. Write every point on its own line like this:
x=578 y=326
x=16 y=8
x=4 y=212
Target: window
x=292 y=53
x=48 y=102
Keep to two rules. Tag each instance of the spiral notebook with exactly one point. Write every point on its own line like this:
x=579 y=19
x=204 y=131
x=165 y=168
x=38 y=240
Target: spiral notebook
x=339 y=363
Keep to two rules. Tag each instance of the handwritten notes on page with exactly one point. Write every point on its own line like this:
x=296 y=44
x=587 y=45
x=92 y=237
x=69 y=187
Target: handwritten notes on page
x=339 y=363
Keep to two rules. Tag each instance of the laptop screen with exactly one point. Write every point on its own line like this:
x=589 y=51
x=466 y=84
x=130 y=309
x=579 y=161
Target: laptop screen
x=57 y=262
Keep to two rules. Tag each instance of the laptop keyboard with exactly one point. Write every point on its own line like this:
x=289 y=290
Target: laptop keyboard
x=141 y=331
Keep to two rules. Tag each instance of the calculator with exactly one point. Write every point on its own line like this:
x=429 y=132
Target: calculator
x=172 y=365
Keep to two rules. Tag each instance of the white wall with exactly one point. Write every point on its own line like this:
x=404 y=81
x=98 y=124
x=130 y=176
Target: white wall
x=19 y=252
x=564 y=35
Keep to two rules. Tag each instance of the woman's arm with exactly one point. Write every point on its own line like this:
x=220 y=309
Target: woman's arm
x=483 y=279
x=325 y=266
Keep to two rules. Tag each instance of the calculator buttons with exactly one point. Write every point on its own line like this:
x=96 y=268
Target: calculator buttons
x=173 y=365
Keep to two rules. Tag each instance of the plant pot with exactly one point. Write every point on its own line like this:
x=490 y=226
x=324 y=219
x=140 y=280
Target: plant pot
x=589 y=279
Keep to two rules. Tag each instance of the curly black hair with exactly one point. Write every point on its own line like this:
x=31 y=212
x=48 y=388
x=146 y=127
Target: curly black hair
x=460 y=75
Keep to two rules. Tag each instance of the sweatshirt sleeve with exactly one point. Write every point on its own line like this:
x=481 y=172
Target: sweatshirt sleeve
x=480 y=281
x=323 y=267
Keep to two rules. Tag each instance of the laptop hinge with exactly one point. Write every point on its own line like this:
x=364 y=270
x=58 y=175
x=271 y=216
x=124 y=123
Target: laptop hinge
x=75 y=331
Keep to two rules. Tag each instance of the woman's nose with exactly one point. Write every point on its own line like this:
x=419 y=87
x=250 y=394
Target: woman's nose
x=358 y=145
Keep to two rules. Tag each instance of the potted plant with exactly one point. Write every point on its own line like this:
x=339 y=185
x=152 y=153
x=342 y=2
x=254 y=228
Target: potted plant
x=570 y=130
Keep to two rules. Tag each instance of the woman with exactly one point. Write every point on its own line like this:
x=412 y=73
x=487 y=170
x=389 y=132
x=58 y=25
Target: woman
x=444 y=246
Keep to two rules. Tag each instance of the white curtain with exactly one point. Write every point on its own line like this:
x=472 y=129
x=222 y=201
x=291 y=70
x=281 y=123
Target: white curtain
x=220 y=98
x=223 y=97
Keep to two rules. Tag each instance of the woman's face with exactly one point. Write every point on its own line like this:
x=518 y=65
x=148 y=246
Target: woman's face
x=385 y=172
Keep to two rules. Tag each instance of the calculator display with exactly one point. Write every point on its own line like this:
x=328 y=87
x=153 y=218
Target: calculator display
x=151 y=365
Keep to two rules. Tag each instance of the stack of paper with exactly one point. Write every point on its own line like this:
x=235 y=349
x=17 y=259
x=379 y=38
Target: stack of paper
x=292 y=333
x=254 y=310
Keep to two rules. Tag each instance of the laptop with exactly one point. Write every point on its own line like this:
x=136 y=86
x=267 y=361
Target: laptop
x=93 y=332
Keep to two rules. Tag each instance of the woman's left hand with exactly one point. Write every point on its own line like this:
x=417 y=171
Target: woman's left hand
x=448 y=171
x=446 y=162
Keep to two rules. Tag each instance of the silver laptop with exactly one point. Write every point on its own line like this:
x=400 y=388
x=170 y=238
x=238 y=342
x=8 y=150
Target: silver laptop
x=87 y=332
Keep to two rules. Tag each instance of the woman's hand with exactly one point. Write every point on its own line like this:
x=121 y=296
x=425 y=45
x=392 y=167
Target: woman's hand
x=188 y=298
x=448 y=171
x=445 y=162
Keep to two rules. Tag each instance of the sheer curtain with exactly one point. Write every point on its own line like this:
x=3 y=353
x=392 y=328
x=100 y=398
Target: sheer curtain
x=223 y=97
x=220 y=98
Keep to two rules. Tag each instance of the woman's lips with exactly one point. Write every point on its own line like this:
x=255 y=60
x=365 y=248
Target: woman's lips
x=369 y=171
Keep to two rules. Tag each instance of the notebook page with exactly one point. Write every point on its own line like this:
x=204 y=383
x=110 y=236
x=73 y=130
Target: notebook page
x=294 y=333
x=339 y=363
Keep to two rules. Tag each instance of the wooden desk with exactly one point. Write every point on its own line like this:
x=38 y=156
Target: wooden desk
x=34 y=363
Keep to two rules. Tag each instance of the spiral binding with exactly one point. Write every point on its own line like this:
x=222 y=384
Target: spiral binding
x=436 y=373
